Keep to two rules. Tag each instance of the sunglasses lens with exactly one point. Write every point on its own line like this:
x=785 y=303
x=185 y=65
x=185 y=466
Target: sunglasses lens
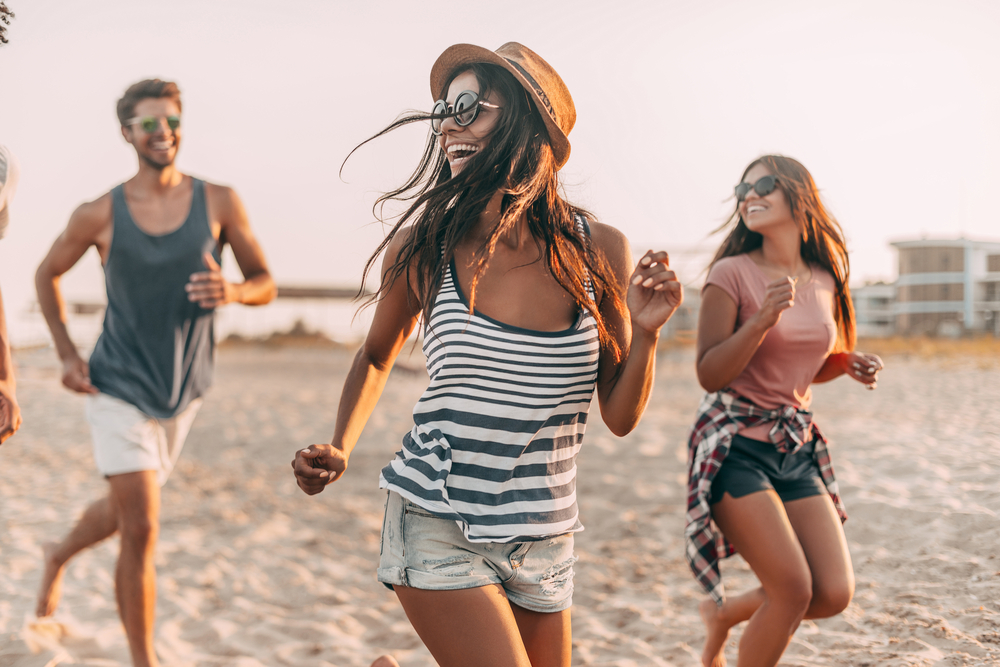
x=440 y=107
x=765 y=185
x=173 y=122
x=149 y=124
x=466 y=108
x=742 y=190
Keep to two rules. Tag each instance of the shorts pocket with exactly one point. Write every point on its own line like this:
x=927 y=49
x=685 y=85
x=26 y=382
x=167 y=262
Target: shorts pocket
x=412 y=508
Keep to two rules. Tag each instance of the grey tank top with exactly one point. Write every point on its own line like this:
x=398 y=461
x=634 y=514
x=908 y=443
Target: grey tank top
x=156 y=349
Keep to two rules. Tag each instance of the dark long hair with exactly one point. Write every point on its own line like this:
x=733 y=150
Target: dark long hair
x=822 y=237
x=443 y=209
x=5 y=16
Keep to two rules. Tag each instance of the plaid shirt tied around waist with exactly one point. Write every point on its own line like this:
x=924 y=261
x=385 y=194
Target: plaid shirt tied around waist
x=721 y=416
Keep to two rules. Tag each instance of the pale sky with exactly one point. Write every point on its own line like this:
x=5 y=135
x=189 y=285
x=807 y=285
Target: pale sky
x=893 y=106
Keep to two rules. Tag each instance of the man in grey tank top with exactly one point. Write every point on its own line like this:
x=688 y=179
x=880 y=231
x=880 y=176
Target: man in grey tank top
x=159 y=236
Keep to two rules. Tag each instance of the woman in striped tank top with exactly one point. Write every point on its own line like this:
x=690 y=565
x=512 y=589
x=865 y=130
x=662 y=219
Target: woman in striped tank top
x=527 y=307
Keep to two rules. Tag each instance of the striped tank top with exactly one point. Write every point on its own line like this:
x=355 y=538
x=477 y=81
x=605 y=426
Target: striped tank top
x=496 y=434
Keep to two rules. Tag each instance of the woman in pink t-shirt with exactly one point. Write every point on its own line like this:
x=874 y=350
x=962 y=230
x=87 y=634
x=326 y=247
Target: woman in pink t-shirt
x=776 y=316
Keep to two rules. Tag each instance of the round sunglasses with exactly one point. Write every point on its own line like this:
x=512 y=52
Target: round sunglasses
x=150 y=124
x=764 y=186
x=465 y=110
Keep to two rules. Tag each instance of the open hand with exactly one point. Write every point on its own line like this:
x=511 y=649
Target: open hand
x=318 y=465
x=654 y=293
x=208 y=288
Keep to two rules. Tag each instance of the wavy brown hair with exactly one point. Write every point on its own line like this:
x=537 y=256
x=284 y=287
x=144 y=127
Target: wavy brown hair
x=146 y=89
x=443 y=209
x=822 y=237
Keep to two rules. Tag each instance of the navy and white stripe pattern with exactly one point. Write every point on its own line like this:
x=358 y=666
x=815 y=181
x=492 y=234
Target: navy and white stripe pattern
x=497 y=431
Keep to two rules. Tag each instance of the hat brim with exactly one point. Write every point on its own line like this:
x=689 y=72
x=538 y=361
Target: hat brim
x=457 y=56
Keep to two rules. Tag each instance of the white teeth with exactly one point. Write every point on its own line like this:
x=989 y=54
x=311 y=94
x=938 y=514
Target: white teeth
x=161 y=145
x=462 y=147
x=754 y=209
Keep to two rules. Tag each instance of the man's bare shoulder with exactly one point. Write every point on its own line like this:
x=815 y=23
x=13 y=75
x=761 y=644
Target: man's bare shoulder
x=92 y=216
x=222 y=196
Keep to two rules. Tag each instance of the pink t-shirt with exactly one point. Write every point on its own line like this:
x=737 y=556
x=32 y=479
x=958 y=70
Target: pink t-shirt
x=782 y=369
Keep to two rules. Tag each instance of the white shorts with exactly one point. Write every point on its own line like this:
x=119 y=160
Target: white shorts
x=128 y=440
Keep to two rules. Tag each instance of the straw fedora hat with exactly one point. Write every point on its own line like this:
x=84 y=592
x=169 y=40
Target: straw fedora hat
x=546 y=88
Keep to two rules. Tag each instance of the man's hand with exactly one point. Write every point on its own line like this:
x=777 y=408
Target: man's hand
x=10 y=415
x=76 y=376
x=318 y=465
x=208 y=288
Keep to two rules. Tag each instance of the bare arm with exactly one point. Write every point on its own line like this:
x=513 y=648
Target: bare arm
x=87 y=226
x=209 y=288
x=10 y=411
x=723 y=350
x=858 y=365
x=653 y=294
x=395 y=316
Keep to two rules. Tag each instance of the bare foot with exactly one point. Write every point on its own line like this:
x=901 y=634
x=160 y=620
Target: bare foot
x=385 y=661
x=716 y=634
x=52 y=578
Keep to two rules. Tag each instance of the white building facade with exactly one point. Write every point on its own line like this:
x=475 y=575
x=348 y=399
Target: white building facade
x=947 y=287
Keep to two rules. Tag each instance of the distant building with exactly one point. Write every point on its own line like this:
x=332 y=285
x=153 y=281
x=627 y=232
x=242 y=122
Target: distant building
x=873 y=309
x=947 y=287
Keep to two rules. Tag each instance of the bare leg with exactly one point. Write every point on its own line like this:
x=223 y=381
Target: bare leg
x=99 y=522
x=821 y=535
x=758 y=527
x=385 y=661
x=547 y=637
x=719 y=620
x=137 y=497
x=479 y=626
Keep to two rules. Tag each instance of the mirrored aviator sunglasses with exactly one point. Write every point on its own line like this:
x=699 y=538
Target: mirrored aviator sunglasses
x=466 y=110
x=150 y=124
x=764 y=186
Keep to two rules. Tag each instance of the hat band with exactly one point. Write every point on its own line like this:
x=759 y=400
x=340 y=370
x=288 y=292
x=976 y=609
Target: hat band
x=538 y=89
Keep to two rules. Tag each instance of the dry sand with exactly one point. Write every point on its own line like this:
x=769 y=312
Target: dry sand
x=253 y=572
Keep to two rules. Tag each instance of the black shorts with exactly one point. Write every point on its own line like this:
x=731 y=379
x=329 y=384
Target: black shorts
x=753 y=466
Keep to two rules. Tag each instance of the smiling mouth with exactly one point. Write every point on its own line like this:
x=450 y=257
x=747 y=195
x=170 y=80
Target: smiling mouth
x=755 y=209
x=161 y=145
x=457 y=152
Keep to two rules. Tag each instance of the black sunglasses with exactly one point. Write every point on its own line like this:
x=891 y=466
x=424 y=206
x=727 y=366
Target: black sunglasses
x=764 y=186
x=465 y=110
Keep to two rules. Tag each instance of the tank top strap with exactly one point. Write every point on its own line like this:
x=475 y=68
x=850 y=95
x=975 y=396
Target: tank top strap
x=583 y=229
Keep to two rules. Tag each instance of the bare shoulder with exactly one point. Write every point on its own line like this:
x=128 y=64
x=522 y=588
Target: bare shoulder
x=222 y=197
x=92 y=218
x=399 y=240
x=613 y=244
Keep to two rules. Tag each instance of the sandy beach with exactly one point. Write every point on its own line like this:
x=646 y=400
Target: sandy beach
x=253 y=572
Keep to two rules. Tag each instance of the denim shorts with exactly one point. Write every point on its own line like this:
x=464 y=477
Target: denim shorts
x=753 y=465
x=421 y=550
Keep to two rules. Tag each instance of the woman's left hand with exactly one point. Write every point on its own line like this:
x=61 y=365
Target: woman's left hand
x=654 y=293
x=863 y=367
